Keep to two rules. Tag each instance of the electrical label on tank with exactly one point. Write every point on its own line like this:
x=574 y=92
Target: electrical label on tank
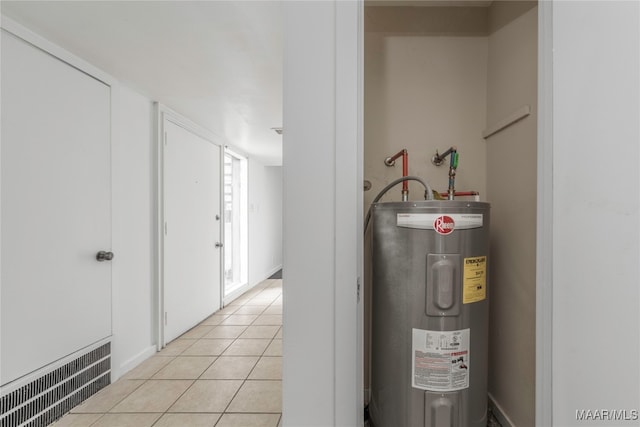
x=440 y=360
x=474 y=281
x=442 y=223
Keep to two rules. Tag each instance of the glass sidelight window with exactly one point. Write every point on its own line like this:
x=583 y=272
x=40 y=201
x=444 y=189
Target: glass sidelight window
x=235 y=222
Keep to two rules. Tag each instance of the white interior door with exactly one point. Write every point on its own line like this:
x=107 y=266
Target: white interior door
x=56 y=209
x=192 y=229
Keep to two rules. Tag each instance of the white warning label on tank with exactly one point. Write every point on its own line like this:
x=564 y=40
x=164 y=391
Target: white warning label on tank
x=440 y=360
x=426 y=221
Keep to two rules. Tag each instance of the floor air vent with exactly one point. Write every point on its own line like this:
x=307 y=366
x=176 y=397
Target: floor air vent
x=46 y=399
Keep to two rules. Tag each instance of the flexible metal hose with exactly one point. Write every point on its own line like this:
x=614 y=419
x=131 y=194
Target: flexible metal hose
x=428 y=194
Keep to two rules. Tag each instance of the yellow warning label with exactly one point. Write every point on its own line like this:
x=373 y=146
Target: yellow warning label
x=474 y=283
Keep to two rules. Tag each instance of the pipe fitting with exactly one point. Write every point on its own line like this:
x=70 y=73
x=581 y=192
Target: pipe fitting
x=391 y=161
x=438 y=159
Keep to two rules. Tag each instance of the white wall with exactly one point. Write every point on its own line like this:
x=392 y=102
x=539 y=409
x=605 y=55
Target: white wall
x=265 y=221
x=595 y=147
x=322 y=368
x=133 y=166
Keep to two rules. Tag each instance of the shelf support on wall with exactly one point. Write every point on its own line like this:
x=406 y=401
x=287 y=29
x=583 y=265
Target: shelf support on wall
x=514 y=117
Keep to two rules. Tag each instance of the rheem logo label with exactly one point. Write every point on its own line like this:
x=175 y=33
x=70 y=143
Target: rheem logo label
x=444 y=225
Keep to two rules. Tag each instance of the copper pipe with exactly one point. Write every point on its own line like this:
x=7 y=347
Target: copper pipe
x=391 y=161
x=461 y=193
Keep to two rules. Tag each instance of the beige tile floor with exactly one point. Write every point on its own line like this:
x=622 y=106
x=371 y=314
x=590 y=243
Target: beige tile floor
x=225 y=372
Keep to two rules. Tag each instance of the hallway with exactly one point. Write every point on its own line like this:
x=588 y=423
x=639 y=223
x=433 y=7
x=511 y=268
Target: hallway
x=226 y=371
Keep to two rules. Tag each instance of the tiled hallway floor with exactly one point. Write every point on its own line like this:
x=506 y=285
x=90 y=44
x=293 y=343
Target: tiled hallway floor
x=227 y=371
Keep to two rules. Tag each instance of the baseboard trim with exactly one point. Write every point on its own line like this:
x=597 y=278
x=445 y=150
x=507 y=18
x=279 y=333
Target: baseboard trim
x=134 y=361
x=272 y=272
x=228 y=299
x=499 y=413
x=242 y=289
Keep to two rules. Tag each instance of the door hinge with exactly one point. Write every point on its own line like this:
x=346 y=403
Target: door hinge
x=165 y=318
x=358 y=288
x=165 y=228
x=165 y=138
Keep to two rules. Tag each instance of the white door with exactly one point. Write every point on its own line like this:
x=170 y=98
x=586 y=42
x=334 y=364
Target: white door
x=192 y=229
x=56 y=209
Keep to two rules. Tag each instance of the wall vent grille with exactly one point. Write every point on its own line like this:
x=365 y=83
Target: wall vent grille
x=46 y=399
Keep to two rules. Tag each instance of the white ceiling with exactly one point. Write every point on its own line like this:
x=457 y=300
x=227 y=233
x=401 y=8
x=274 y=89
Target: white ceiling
x=217 y=62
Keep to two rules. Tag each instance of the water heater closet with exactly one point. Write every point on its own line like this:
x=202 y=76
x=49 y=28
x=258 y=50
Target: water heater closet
x=429 y=331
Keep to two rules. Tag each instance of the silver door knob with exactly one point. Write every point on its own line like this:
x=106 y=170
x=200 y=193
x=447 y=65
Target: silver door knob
x=219 y=245
x=104 y=256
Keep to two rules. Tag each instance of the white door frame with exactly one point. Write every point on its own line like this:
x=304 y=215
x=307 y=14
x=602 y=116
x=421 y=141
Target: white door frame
x=162 y=114
x=323 y=161
x=544 y=215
